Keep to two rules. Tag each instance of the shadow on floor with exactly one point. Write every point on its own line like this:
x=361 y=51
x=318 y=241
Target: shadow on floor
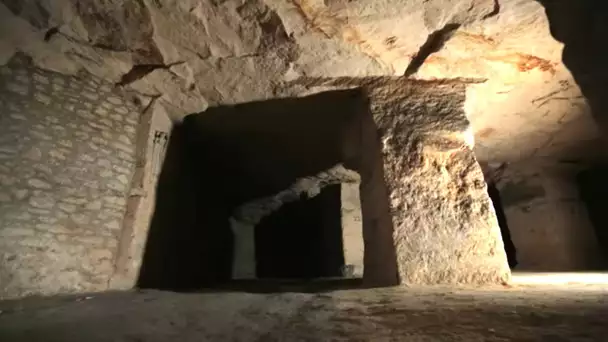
x=284 y=286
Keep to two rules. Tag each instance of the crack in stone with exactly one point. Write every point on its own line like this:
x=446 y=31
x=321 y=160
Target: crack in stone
x=81 y=56
x=558 y=98
x=140 y=71
x=151 y=103
x=82 y=42
x=308 y=19
x=375 y=81
x=50 y=33
x=494 y=12
x=434 y=43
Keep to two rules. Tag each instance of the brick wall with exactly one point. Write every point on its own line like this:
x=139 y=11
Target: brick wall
x=67 y=151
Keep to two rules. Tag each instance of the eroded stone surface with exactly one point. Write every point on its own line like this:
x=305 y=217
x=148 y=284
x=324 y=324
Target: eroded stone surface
x=445 y=228
x=521 y=101
x=529 y=104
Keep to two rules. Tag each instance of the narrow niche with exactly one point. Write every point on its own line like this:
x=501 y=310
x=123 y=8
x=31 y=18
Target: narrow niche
x=494 y=194
x=303 y=239
x=313 y=238
x=310 y=231
x=593 y=187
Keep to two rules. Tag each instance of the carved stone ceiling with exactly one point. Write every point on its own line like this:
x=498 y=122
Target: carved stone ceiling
x=189 y=54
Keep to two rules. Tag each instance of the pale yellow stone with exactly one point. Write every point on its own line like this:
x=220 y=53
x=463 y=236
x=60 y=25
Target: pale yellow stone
x=39 y=184
x=44 y=99
x=94 y=205
x=106 y=173
x=70 y=208
x=114 y=100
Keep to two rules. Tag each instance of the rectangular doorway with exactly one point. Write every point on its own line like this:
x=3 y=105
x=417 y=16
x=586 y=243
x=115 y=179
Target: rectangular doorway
x=303 y=239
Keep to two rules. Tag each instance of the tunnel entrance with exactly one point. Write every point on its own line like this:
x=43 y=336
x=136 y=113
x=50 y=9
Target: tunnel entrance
x=494 y=194
x=228 y=157
x=303 y=239
x=593 y=188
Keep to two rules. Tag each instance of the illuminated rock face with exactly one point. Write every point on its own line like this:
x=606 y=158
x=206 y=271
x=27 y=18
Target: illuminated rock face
x=191 y=54
x=182 y=56
x=444 y=227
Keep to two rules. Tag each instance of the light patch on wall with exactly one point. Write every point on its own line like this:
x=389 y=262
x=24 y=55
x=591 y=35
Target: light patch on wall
x=469 y=137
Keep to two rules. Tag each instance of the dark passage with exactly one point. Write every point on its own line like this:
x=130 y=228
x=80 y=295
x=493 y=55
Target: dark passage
x=504 y=227
x=593 y=189
x=190 y=242
x=303 y=239
x=228 y=156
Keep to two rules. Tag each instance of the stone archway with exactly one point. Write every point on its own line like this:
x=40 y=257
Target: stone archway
x=239 y=154
x=248 y=216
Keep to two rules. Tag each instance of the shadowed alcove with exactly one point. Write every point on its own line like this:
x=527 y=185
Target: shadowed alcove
x=593 y=188
x=582 y=27
x=303 y=239
x=221 y=159
x=494 y=194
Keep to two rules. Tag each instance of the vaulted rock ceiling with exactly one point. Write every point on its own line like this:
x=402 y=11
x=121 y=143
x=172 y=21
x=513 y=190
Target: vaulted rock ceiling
x=186 y=55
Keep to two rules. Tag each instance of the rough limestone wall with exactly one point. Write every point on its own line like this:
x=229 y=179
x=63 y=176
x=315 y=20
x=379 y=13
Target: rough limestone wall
x=153 y=135
x=445 y=228
x=66 y=163
x=547 y=218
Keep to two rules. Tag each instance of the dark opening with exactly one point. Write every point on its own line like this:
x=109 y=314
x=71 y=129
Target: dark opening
x=228 y=156
x=582 y=27
x=502 y=223
x=303 y=239
x=593 y=189
x=189 y=242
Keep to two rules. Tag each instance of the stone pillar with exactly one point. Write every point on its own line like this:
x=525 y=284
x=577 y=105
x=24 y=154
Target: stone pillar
x=352 y=230
x=244 y=262
x=444 y=229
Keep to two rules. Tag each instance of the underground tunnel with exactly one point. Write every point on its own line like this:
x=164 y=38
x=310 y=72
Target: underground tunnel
x=82 y=104
x=303 y=239
x=198 y=145
x=230 y=156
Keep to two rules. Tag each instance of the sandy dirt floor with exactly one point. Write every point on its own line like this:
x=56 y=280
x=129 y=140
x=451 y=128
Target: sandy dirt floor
x=517 y=313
